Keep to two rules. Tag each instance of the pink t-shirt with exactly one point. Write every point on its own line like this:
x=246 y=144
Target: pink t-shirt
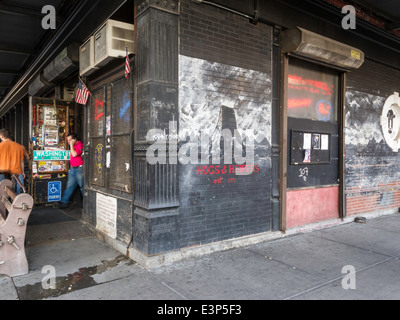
x=77 y=161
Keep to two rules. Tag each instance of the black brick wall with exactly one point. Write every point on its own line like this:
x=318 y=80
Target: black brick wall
x=214 y=34
x=210 y=211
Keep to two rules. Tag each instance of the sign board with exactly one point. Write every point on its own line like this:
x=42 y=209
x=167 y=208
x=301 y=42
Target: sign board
x=51 y=155
x=106 y=215
x=54 y=191
x=50 y=117
x=390 y=122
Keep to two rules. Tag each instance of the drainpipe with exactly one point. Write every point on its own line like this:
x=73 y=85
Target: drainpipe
x=132 y=148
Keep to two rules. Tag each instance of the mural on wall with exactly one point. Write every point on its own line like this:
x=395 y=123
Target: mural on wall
x=363 y=130
x=215 y=97
x=372 y=167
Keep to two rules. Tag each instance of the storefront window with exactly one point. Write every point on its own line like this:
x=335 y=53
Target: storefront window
x=312 y=91
x=121 y=125
x=96 y=116
x=111 y=121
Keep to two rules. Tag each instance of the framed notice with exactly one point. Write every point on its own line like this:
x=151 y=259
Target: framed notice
x=106 y=215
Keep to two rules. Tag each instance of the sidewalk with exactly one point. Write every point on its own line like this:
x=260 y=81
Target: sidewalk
x=303 y=266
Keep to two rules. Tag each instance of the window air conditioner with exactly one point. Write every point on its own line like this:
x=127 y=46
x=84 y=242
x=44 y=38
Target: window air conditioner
x=111 y=41
x=86 y=58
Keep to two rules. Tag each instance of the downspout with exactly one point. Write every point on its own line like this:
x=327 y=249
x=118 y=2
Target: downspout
x=131 y=147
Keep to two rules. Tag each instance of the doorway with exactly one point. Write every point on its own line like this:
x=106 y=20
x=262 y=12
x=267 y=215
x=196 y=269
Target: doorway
x=313 y=115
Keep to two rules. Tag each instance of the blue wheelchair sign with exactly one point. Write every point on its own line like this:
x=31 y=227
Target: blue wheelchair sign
x=54 y=191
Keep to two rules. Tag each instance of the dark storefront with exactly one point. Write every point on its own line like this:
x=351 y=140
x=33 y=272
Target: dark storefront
x=239 y=122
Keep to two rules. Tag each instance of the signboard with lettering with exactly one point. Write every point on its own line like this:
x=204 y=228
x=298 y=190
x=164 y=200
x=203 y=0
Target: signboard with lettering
x=106 y=215
x=54 y=191
x=45 y=155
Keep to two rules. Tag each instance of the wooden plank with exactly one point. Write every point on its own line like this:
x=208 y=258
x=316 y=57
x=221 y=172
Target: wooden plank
x=10 y=192
x=6 y=203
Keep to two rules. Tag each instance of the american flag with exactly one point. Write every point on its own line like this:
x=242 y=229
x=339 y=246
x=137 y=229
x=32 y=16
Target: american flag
x=127 y=65
x=82 y=94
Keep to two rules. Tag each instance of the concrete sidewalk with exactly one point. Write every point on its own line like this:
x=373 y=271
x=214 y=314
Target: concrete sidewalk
x=314 y=265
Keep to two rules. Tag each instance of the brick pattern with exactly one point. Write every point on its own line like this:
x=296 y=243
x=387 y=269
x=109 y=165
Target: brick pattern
x=214 y=209
x=214 y=34
x=372 y=169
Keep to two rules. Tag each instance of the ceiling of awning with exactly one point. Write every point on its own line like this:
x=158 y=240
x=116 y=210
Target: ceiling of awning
x=26 y=48
x=22 y=36
x=389 y=9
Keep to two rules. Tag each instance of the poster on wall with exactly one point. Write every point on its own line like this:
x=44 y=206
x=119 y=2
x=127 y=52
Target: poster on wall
x=50 y=136
x=49 y=116
x=106 y=215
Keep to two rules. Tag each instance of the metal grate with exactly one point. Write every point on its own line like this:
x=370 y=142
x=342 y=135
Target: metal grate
x=121 y=107
x=120 y=164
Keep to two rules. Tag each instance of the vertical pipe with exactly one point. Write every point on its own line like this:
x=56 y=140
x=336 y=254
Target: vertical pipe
x=342 y=146
x=283 y=140
x=275 y=137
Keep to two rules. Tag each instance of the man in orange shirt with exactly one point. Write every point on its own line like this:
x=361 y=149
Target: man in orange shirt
x=11 y=157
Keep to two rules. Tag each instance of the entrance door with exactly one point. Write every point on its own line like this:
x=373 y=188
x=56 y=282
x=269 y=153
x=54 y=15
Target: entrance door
x=312 y=192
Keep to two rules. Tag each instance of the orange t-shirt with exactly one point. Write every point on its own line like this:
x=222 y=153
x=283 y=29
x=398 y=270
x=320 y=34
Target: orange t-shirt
x=11 y=155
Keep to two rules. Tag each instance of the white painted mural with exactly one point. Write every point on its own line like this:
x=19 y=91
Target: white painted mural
x=205 y=87
x=363 y=118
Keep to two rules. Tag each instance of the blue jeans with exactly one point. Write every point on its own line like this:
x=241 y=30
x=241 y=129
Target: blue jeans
x=20 y=178
x=75 y=178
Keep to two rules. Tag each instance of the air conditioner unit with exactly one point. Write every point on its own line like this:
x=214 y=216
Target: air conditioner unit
x=111 y=40
x=86 y=58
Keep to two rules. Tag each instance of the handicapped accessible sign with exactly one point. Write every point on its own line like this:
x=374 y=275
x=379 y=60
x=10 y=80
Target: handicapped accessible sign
x=54 y=191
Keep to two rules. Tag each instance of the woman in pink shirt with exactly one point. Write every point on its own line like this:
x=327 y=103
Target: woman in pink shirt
x=75 y=174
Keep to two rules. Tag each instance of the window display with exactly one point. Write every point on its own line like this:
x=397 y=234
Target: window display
x=50 y=132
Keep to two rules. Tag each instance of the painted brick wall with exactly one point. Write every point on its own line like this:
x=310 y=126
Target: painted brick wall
x=225 y=83
x=372 y=168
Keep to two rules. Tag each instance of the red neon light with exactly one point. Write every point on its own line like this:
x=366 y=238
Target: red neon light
x=98 y=116
x=297 y=82
x=324 y=109
x=299 y=103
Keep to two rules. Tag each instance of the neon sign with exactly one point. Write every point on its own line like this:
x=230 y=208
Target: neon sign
x=299 y=103
x=96 y=115
x=309 y=85
x=324 y=110
x=126 y=104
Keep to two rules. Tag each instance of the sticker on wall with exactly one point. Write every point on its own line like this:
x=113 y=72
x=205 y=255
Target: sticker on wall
x=390 y=121
x=99 y=157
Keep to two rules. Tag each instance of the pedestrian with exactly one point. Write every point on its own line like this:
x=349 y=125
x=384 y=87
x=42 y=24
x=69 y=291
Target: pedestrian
x=11 y=158
x=26 y=154
x=75 y=174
